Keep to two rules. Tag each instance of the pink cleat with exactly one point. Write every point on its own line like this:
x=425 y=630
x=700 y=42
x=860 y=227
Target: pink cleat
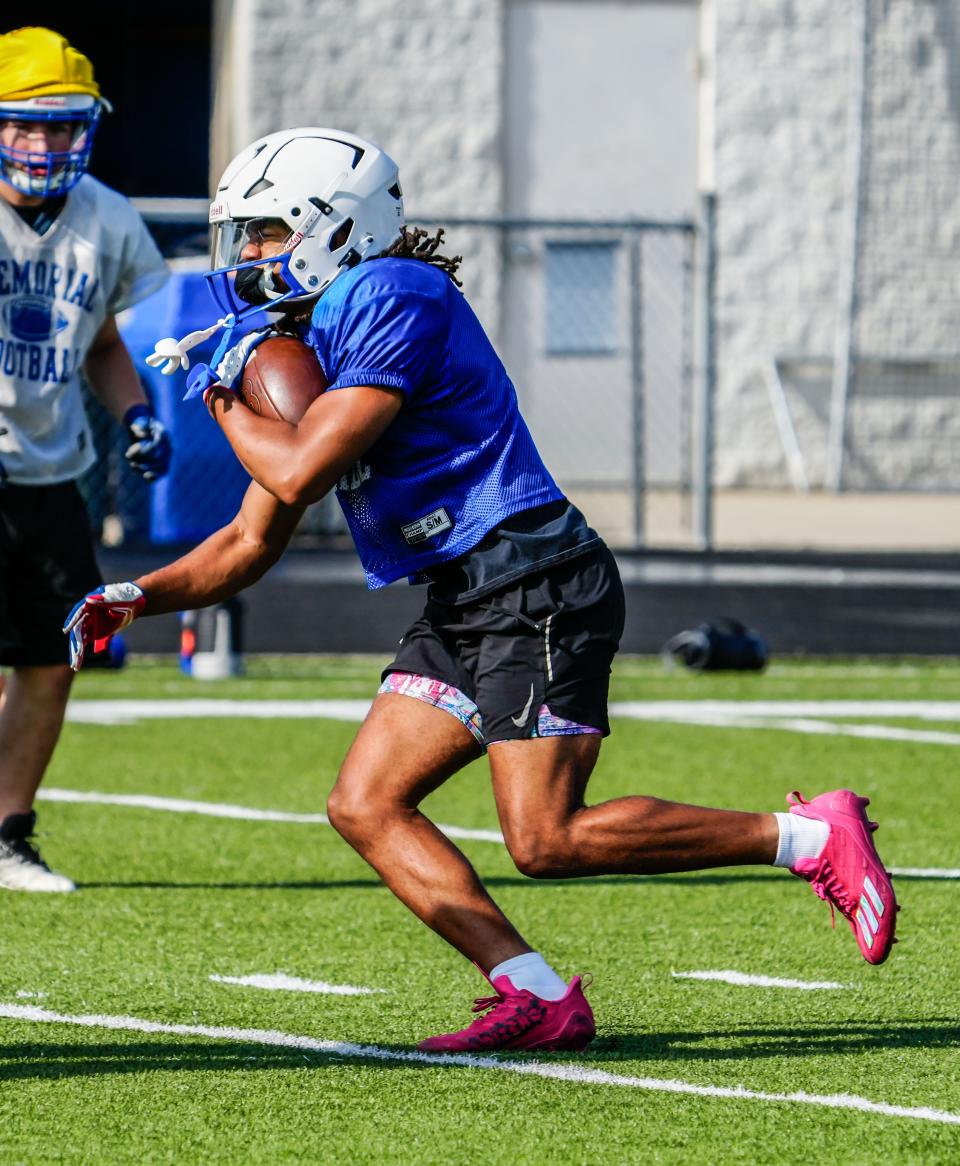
x=516 y=1019
x=849 y=874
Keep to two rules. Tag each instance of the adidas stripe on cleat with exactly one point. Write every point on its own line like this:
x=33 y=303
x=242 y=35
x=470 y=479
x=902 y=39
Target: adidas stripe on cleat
x=848 y=873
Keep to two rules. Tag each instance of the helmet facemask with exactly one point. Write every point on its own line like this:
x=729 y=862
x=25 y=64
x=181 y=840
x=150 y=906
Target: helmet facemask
x=253 y=279
x=40 y=172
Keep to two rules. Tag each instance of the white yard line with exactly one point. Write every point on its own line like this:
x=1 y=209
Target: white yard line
x=279 y=982
x=129 y=712
x=866 y=732
x=250 y=814
x=565 y=1071
x=925 y=872
x=224 y=810
x=654 y=710
x=786 y=716
x=717 y=720
x=179 y=806
x=741 y=979
x=100 y=712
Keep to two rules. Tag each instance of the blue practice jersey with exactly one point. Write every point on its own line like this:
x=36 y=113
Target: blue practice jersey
x=458 y=458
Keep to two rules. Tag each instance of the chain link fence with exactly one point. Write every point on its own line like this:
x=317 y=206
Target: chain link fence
x=594 y=322
x=597 y=332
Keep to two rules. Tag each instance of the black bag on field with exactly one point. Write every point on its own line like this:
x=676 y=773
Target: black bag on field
x=718 y=645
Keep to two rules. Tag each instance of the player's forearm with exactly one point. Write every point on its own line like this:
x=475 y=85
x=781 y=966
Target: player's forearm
x=223 y=565
x=111 y=374
x=274 y=454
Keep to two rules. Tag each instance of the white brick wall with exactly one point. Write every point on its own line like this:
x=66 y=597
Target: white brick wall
x=911 y=223
x=422 y=79
x=426 y=80
x=783 y=78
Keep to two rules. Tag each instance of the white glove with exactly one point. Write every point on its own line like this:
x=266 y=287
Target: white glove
x=227 y=372
x=172 y=353
x=231 y=366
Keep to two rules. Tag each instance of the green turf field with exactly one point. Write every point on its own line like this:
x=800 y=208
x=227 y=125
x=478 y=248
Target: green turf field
x=93 y=1068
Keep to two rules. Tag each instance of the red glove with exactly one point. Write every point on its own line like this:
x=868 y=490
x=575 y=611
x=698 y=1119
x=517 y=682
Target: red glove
x=100 y=615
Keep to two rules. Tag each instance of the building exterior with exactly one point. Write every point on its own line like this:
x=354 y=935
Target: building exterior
x=835 y=157
x=518 y=116
x=829 y=130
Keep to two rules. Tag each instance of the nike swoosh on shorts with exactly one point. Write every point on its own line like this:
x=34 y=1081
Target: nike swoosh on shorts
x=522 y=719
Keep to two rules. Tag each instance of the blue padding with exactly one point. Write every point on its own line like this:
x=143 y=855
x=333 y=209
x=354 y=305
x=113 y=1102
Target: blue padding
x=203 y=489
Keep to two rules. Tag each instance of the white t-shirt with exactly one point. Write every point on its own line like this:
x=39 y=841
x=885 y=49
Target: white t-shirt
x=56 y=290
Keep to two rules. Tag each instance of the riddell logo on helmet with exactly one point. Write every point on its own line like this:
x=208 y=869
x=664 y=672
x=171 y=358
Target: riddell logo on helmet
x=56 y=102
x=300 y=234
x=217 y=212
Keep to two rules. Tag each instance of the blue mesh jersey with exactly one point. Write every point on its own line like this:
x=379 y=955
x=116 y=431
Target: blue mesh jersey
x=458 y=458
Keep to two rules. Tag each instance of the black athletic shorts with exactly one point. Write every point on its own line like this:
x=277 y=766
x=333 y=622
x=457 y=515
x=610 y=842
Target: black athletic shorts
x=46 y=564
x=547 y=639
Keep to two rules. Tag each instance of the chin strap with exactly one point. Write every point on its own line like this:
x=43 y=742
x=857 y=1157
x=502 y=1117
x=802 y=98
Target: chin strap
x=172 y=353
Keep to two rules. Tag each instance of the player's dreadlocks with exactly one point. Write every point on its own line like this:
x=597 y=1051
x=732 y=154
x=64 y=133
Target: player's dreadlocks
x=415 y=243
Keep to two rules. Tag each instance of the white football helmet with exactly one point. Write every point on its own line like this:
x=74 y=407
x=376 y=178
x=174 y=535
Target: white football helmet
x=337 y=195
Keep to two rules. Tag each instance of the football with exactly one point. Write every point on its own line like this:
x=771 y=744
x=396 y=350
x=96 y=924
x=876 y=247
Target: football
x=281 y=379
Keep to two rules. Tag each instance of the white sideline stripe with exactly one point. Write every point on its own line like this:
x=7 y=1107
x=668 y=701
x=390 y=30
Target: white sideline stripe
x=180 y=806
x=246 y=813
x=746 y=981
x=283 y=983
x=221 y=810
x=924 y=710
x=925 y=872
x=128 y=711
x=870 y=732
x=825 y=728
x=790 y=716
x=575 y=1074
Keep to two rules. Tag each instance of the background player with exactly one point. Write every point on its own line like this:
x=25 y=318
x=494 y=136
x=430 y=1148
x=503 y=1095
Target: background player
x=440 y=482
x=72 y=254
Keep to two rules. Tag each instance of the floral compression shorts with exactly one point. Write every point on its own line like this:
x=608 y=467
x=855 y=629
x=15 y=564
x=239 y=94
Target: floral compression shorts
x=530 y=660
x=458 y=704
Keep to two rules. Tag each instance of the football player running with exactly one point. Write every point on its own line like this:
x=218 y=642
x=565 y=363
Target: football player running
x=420 y=435
x=73 y=253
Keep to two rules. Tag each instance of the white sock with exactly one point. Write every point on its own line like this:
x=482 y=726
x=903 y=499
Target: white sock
x=531 y=971
x=799 y=838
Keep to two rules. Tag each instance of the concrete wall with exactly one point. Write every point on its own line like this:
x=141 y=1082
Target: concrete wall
x=911 y=210
x=560 y=108
x=601 y=118
x=783 y=85
x=426 y=87
x=578 y=108
x=423 y=85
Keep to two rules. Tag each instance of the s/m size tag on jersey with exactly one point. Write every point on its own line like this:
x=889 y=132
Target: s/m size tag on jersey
x=435 y=523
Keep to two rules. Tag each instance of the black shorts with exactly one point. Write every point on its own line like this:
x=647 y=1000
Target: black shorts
x=46 y=564
x=548 y=639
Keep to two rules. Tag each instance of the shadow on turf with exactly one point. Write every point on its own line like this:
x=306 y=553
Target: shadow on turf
x=749 y=1043
x=693 y=879
x=28 y=1061
x=95 y=1059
